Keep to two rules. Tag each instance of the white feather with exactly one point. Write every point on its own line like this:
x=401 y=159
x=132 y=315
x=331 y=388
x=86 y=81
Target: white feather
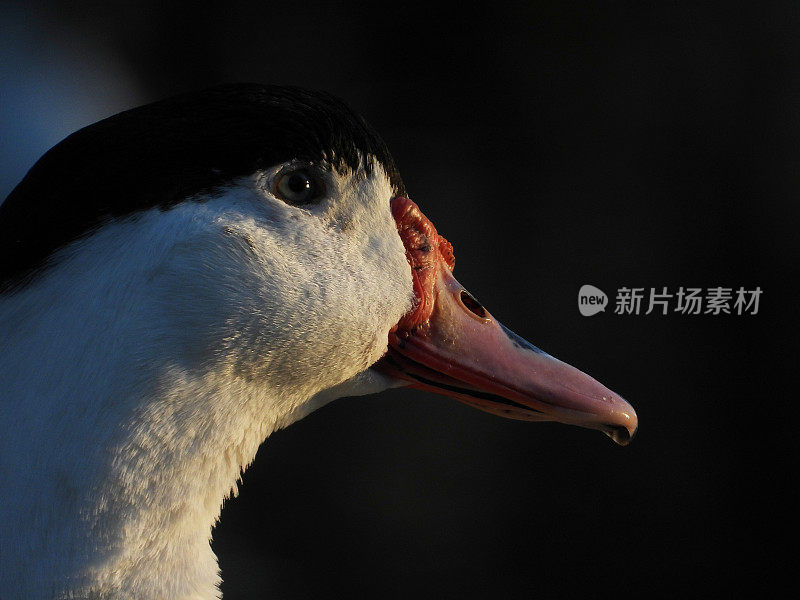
x=143 y=369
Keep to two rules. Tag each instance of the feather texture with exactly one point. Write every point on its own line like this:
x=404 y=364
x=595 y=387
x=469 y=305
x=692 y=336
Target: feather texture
x=142 y=370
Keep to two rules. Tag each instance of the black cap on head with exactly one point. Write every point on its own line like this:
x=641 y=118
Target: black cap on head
x=163 y=153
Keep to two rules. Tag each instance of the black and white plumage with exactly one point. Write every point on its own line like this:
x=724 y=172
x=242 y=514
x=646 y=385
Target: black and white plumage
x=165 y=152
x=169 y=298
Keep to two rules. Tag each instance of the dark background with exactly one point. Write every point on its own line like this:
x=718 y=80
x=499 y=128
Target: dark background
x=640 y=144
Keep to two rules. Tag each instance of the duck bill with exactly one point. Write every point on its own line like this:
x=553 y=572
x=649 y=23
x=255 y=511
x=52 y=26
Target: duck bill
x=461 y=351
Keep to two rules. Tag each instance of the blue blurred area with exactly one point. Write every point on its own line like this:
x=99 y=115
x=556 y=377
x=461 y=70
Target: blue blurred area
x=51 y=83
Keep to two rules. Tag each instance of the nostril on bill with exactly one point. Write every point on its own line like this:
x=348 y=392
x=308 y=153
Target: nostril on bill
x=620 y=434
x=475 y=307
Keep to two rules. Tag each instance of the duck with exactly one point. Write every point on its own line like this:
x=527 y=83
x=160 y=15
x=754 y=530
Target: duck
x=182 y=279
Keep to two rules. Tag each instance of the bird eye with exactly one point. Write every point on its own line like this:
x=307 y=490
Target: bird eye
x=298 y=187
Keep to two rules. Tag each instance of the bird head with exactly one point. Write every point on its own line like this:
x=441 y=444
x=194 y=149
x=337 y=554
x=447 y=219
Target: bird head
x=264 y=235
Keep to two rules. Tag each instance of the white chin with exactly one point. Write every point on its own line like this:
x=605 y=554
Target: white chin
x=366 y=382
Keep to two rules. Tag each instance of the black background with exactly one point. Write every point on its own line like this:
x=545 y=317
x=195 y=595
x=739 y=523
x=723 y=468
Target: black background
x=558 y=144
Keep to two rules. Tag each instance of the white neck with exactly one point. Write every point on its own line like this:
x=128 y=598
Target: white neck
x=162 y=411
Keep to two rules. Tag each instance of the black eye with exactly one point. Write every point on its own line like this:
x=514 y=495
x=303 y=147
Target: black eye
x=298 y=187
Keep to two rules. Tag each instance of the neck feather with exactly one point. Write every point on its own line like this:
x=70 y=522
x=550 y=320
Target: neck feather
x=141 y=372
